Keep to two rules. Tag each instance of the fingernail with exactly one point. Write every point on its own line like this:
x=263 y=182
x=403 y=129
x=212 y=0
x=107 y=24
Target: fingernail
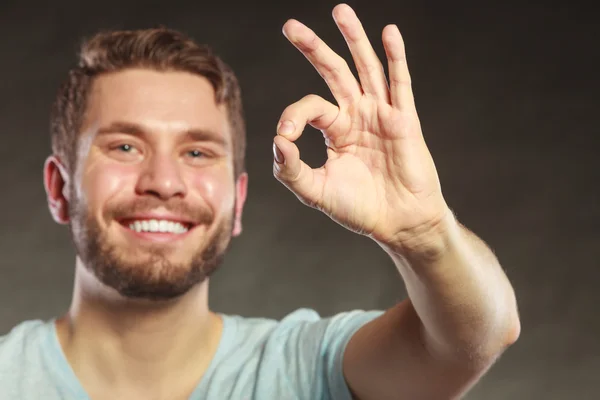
x=278 y=154
x=286 y=127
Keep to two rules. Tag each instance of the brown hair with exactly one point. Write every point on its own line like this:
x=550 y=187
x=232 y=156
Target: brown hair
x=159 y=49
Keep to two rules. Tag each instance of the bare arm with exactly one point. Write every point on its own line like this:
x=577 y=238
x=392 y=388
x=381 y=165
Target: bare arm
x=460 y=316
x=380 y=181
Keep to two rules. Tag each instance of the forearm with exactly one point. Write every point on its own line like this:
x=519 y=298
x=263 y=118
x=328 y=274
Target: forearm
x=464 y=300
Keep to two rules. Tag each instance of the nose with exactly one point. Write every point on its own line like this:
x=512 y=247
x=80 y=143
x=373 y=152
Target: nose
x=161 y=177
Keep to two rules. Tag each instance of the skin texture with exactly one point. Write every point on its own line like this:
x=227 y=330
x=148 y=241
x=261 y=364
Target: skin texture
x=380 y=181
x=138 y=156
x=152 y=335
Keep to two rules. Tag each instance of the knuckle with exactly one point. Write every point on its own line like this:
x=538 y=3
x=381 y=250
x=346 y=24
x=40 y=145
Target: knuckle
x=311 y=98
x=314 y=43
x=307 y=202
x=336 y=68
x=400 y=82
x=290 y=112
x=368 y=68
x=278 y=171
x=298 y=105
x=287 y=112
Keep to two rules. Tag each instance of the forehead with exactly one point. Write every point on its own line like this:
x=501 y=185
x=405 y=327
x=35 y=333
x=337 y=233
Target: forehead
x=162 y=101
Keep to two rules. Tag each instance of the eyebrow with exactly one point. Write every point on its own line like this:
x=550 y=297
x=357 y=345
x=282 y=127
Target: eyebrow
x=133 y=129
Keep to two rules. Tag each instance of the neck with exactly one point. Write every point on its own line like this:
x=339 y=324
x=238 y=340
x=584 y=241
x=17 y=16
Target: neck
x=137 y=347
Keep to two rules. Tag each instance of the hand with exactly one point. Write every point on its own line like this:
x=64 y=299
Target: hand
x=379 y=179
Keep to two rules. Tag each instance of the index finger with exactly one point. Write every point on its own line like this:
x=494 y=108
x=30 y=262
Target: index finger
x=333 y=68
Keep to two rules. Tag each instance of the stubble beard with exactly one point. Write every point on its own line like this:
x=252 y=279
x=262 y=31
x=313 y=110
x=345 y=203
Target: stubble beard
x=146 y=272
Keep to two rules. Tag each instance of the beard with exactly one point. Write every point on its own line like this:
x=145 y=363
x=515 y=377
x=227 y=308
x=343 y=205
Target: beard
x=147 y=272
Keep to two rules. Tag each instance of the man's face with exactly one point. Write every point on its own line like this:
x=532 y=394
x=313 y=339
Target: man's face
x=153 y=202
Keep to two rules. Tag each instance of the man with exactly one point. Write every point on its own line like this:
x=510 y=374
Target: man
x=147 y=169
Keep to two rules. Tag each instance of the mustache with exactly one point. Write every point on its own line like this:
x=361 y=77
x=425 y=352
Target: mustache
x=195 y=215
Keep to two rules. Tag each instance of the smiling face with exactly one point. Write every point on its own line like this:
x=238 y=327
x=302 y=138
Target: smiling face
x=153 y=202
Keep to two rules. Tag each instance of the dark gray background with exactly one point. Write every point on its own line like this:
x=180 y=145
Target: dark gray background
x=507 y=98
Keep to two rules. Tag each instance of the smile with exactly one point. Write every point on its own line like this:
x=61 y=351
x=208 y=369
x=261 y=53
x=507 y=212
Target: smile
x=157 y=230
x=157 y=226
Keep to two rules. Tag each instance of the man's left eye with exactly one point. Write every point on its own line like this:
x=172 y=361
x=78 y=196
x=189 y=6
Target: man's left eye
x=195 y=153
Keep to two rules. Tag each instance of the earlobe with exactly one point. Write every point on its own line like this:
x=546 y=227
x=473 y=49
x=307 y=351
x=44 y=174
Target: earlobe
x=241 y=190
x=55 y=183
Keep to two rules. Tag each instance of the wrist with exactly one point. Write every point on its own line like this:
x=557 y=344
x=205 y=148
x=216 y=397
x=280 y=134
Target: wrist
x=428 y=242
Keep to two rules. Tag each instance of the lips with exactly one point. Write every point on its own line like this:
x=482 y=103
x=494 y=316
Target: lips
x=160 y=224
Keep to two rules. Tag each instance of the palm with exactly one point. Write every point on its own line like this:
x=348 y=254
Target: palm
x=379 y=178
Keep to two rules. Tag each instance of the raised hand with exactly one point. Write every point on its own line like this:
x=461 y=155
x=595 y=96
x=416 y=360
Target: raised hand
x=379 y=178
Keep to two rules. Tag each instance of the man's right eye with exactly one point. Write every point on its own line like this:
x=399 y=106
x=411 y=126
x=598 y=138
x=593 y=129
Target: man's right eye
x=124 y=148
x=124 y=152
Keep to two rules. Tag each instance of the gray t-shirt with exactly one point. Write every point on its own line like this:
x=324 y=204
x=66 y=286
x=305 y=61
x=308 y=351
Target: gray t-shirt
x=299 y=357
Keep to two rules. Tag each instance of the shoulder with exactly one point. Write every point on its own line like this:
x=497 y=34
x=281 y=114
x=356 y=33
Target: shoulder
x=21 y=356
x=297 y=356
x=23 y=337
x=303 y=324
x=309 y=348
x=308 y=321
x=22 y=346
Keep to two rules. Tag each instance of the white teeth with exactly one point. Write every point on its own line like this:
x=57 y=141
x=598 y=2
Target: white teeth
x=163 y=226
x=154 y=225
x=180 y=228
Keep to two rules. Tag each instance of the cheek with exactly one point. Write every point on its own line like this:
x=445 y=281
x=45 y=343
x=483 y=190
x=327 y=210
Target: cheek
x=104 y=182
x=215 y=187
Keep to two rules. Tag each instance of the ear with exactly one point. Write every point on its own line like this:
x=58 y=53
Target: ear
x=241 y=189
x=56 y=181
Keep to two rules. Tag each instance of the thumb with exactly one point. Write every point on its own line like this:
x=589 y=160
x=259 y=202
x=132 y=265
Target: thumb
x=306 y=183
x=295 y=174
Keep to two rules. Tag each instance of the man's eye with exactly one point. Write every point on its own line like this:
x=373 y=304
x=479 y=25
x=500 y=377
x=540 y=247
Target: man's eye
x=195 y=153
x=124 y=152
